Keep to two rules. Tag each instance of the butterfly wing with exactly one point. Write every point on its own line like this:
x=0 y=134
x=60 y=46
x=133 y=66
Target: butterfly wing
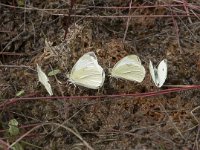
x=153 y=72
x=44 y=80
x=133 y=59
x=162 y=72
x=87 y=72
x=129 y=68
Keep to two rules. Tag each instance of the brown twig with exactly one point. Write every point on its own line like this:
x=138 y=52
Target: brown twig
x=177 y=31
x=196 y=139
x=17 y=66
x=170 y=119
x=4 y=145
x=57 y=81
x=125 y=16
x=107 y=7
x=128 y=20
x=186 y=10
x=192 y=113
x=13 y=54
x=55 y=124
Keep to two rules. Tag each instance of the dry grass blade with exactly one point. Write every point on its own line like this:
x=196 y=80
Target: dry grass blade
x=128 y=20
x=54 y=124
x=192 y=113
x=173 y=124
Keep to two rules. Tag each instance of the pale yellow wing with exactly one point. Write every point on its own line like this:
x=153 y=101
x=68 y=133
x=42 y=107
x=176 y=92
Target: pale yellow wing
x=162 y=72
x=154 y=73
x=87 y=72
x=44 y=80
x=129 y=68
x=159 y=74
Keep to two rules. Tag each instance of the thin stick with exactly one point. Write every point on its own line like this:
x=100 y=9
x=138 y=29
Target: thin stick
x=173 y=124
x=186 y=10
x=107 y=7
x=128 y=20
x=177 y=31
x=11 y=41
x=13 y=54
x=17 y=66
x=57 y=81
x=182 y=86
x=196 y=139
x=4 y=145
x=25 y=16
x=99 y=97
x=125 y=16
x=55 y=124
x=192 y=113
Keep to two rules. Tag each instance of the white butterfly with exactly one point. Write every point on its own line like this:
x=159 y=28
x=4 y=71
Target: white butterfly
x=129 y=68
x=44 y=80
x=159 y=74
x=87 y=72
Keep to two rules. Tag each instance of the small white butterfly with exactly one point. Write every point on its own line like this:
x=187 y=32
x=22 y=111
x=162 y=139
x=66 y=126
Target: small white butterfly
x=159 y=74
x=87 y=72
x=44 y=80
x=129 y=68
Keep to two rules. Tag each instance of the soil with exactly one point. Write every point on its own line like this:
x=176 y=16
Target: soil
x=41 y=35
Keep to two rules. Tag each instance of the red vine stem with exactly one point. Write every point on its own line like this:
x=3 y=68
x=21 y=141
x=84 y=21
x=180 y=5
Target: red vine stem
x=136 y=95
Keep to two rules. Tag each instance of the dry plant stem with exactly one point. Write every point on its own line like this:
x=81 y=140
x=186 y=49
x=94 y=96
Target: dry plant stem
x=55 y=124
x=196 y=143
x=4 y=31
x=32 y=145
x=68 y=119
x=127 y=23
x=15 y=38
x=4 y=145
x=25 y=116
x=34 y=34
x=125 y=16
x=195 y=14
x=13 y=54
x=196 y=140
x=64 y=103
x=23 y=127
x=25 y=16
x=190 y=5
x=16 y=66
x=173 y=124
x=187 y=11
x=61 y=91
x=147 y=6
x=187 y=28
x=192 y=113
x=177 y=31
x=39 y=122
x=182 y=86
x=163 y=137
x=148 y=94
